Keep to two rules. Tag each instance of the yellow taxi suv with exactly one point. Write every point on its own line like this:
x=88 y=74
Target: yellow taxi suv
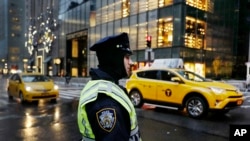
x=30 y=87
x=183 y=90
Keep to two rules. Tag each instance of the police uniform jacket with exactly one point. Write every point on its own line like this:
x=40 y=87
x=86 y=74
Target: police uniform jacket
x=120 y=130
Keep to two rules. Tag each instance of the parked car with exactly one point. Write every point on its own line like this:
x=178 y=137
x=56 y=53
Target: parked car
x=31 y=87
x=182 y=89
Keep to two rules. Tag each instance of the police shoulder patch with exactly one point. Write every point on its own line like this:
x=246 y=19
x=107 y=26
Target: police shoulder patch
x=106 y=118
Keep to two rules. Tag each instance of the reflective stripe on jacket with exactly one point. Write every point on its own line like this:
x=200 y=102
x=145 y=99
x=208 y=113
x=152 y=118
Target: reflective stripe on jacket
x=90 y=93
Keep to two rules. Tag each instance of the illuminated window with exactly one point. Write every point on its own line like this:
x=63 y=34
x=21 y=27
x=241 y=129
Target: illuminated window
x=165 y=32
x=206 y=5
x=125 y=8
x=163 y=3
x=74 y=48
x=195 y=33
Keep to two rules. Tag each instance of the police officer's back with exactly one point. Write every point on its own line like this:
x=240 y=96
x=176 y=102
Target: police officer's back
x=105 y=112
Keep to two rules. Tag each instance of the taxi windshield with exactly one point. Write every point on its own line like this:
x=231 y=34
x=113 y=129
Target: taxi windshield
x=191 y=76
x=35 y=78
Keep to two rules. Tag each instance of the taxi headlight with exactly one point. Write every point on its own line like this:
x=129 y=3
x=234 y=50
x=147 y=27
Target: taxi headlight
x=28 y=88
x=56 y=87
x=217 y=90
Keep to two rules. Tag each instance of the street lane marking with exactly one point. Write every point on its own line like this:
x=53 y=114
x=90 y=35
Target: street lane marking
x=69 y=94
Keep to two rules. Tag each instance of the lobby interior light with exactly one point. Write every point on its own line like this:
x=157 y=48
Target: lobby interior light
x=25 y=60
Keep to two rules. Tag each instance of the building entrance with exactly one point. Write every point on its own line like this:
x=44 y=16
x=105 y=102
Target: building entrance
x=76 y=57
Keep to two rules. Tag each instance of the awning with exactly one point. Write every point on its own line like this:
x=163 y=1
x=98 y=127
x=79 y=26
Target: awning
x=47 y=59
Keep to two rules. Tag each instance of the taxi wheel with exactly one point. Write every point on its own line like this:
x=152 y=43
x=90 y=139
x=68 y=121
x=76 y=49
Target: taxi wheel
x=21 y=97
x=196 y=107
x=53 y=100
x=136 y=98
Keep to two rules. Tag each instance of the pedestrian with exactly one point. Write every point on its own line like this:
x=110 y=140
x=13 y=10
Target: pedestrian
x=105 y=112
x=67 y=78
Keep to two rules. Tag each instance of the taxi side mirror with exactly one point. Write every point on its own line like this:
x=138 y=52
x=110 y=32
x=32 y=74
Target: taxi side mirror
x=176 y=79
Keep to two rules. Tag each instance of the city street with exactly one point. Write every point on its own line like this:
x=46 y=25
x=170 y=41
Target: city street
x=57 y=121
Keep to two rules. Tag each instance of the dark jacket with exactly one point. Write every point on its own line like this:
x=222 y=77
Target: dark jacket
x=121 y=127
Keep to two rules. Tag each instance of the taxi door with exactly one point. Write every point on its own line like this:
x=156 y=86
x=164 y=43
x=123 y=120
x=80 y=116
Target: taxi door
x=147 y=85
x=168 y=90
x=13 y=85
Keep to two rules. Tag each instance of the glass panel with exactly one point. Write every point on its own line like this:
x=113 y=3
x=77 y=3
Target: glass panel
x=206 y=5
x=104 y=30
x=125 y=25
x=117 y=26
x=111 y=10
x=98 y=13
x=152 y=4
x=152 y=27
x=118 y=8
x=165 y=32
x=98 y=32
x=85 y=15
x=133 y=32
x=110 y=28
x=125 y=8
x=104 y=11
x=92 y=37
x=163 y=3
x=143 y=6
x=75 y=48
x=195 y=33
x=133 y=7
x=142 y=30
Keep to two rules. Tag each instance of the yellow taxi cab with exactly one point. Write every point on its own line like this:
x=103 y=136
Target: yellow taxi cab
x=182 y=89
x=32 y=87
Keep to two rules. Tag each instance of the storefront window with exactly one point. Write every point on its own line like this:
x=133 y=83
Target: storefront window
x=165 y=32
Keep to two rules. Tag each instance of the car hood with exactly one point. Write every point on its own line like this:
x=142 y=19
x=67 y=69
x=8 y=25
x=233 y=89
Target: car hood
x=216 y=84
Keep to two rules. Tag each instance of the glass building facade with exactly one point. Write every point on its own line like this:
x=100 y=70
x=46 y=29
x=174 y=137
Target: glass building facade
x=74 y=20
x=201 y=32
x=12 y=35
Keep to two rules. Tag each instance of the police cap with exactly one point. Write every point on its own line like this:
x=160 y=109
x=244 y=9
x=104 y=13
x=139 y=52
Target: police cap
x=117 y=43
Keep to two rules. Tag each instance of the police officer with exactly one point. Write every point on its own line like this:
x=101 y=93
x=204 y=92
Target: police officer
x=105 y=113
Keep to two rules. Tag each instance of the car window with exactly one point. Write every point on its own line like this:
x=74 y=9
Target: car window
x=191 y=76
x=35 y=78
x=12 y=77
x=167 y=75
x=15 y=77
x=152 y=74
